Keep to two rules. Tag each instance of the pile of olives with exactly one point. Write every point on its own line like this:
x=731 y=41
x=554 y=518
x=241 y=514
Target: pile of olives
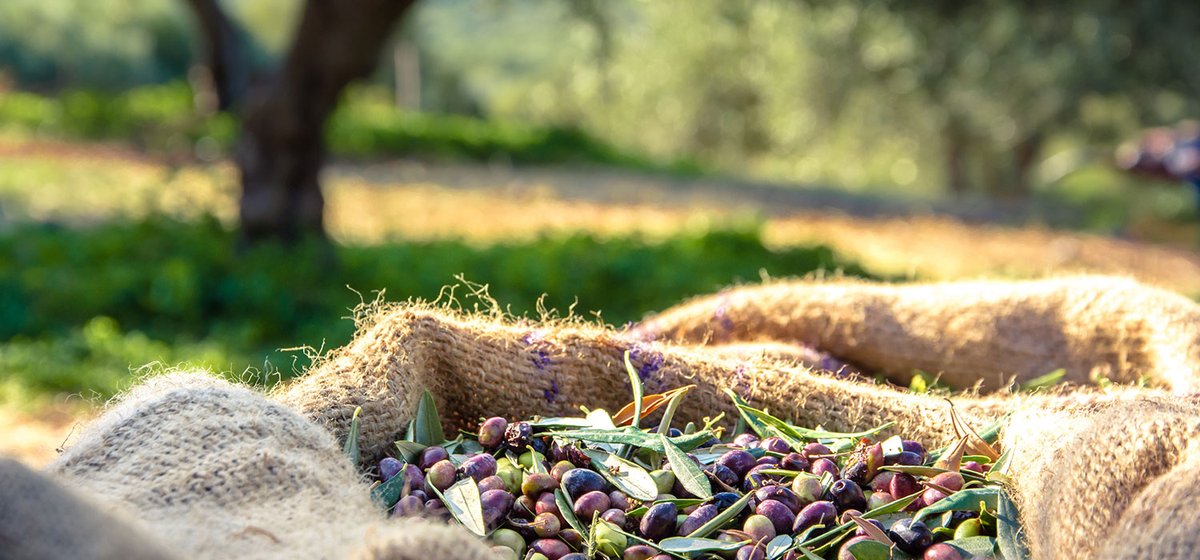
x=538 y=492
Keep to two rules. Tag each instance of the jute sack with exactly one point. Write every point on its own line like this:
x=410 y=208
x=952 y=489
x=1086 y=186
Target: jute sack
x=986 y=333
x=219 y=471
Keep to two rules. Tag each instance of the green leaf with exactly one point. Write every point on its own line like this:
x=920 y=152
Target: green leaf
x=970 y=499
x=999 y=470
x=462 y=500
x=351 y=447
x=636 y=383
x=600 y=419
x=426 y=427
x=694 y=545
x=664 y=425
x=1042 y=381
x=722 y=518
x=636 y=438
x=686 y=471
x=778 y=546
x=557 y=422
x=680 y=502
x=627 y=476
x=568 y=510
x=410 y=450
x=537 y=462
x=386 y=494
x=870 y=550
x=808 y=554
x=975 y=546
x=1009 y=534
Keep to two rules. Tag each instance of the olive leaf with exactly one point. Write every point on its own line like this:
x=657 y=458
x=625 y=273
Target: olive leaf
x=976 y=546
x=387 y=493
x=626 y=475
x=778 y=546
x=351 y=447
x=426 y=427
x=560 y=422
x=722 y=518
x=636 y=438
x=1041 y=382
x=687 y=472
x=462 y=500
x=869 y=550
x=695 y=545
x=664 y=425
x=600 y=419
x=1009 y=534
x=410 y=450
x=870 y=529
x=970 y=499
x=636 y=383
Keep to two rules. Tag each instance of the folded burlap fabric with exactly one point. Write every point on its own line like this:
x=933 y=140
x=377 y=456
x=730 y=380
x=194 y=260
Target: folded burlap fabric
x=186 y=465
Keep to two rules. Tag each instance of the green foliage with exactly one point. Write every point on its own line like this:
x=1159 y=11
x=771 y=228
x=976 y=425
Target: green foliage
x=162 y=119
x=182 y=293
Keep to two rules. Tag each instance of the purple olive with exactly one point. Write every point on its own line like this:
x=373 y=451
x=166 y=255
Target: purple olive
x=431 y=456
x=408 y=506
x=749 y=552
x=860 y=531
x=578 y=482
x=915 y=447
x=814 y=449
x=547 y=504
x=903 y=485
x=535 y=483
x=524 y=507
x=389 y=467
x=491 y=483
x=615 y=516
x=847 y=495
x=698 y=518
x=775 y=445
x=816 y=513
x=781 y=494
x=910 y=536
x=590 y=504
x=518 y=436
x=413 y=477
x=724 y=474
x=879 y=499
x=795 y=462
x=906 y=458
x=479 y=467
x=780 y=515
x=659 y=521
x=639 y=552
x=882 y=481
x=560 y=468
x=572 y=537
x=737 y=461
x=974 y=466
x=822 y=466
x=441 y=475
x=767 y=460
x=941 y=551
x=619 y=500
x=553 y=549
x=745 y=440
x=491 y=432
x=496 y=504
x=546 y=525
x=807 y=489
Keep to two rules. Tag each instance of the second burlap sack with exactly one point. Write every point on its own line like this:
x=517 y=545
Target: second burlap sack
x=220 y=471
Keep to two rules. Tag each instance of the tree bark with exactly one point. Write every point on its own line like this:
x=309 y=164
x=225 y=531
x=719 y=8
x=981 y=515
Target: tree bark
x=225 y=54
x=282 y=147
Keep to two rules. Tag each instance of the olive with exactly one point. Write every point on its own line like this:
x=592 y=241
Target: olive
x=856 y=472
x=546 y=525
x=903 y=485
x=749 y=552
x=915 y=447
x=816 y=513
x=560 y=468
x=389 y=467
x=968 y=528
x=493 y=482
x=491 y=432
x=664 y=480
x=572 y=537
x=510 y=539
x=822 y=466
x=413 y=477
x=844 y=552
x=781 y=494
x=795 y=462
x=760 y=528
x=479 y=467
x=441 y=475
x=907 y=458
x=745 y=440
x=547 y=504
x=578 y=482
x=639 y=552
x=698 y=518
x=847 y=495
x=724 y=474
x=724 y=499
x=910 y=536
x=780 y=515
x=615 y=516
x=942 y=551
x=504 y=553
x=882 y=482
x=524 y=507
x=737 y=461
x=609 y=541
x=590 y=504
x=553 y=549
x=536 y=483
x=814 y=449
x=659 y=521
x=495 y=504
x=575 y=556
x=807 y=489
x=518 y=436
x=431 y=456
x=775 y=445
x=860 y=531
x=619 y=500
x=767 y=460
x=409 y=506
x=879 y=499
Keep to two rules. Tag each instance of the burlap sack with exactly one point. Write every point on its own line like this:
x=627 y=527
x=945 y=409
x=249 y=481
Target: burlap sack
x=219 y=471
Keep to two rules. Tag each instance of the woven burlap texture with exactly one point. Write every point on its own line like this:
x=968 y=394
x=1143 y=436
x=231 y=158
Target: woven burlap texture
x=214 y=470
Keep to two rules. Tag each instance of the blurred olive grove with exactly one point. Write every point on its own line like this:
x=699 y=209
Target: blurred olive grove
x=918 y=98
x=1014 y=101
